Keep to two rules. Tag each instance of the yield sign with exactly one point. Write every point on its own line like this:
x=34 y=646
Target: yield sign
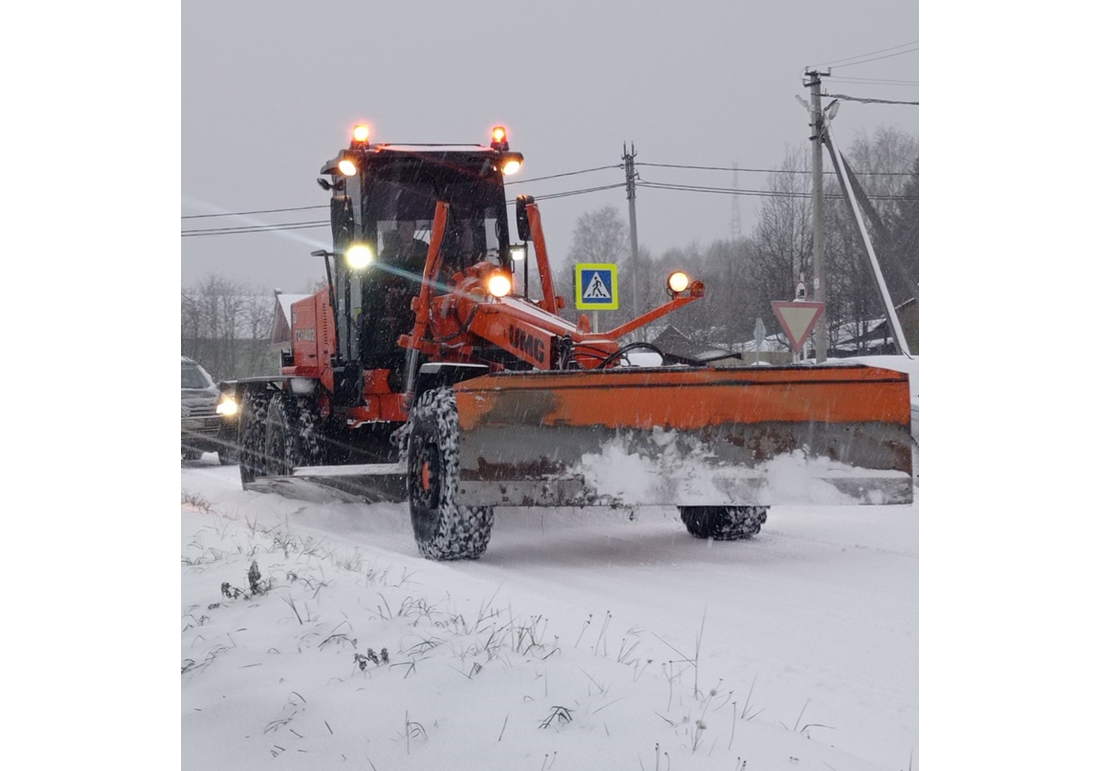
x=797 y=318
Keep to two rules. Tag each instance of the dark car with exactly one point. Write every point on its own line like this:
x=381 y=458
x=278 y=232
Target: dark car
x=207 y=417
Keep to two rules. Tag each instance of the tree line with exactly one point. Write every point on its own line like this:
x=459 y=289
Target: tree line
x=226 y=327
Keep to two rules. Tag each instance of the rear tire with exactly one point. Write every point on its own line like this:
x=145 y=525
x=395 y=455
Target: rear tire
x=292 y=438
x=253 y=432
x=724 y=523
x=443 y=529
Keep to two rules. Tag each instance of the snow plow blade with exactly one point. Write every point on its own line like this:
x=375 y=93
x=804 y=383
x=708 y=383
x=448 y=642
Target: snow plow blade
x=370 y=483
x=686 y=437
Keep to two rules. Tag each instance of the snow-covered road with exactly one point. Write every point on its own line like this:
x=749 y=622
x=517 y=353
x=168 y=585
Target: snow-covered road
x=810 y=627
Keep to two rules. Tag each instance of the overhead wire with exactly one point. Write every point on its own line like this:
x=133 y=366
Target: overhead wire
x=306 y=225
x=873 y=81
x=566 y=194
x=256 y=211
x=860 y=58
x=272 y=227
x=759 y=193
x=265 y=228
x=768 y=171
x=573 y=173
x=866 y=100
x=877 y=58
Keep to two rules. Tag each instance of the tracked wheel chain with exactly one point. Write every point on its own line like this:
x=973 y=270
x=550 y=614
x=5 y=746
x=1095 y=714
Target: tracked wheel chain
x=252 y=435
x=444 y=530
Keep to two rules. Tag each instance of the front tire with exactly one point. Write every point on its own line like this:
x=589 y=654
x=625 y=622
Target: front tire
x=724 y=523
x=443 y=529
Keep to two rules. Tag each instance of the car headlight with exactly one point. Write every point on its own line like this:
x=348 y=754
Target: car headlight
x=227 y=406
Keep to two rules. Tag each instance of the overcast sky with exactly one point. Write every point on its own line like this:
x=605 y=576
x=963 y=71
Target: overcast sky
x=271 y=89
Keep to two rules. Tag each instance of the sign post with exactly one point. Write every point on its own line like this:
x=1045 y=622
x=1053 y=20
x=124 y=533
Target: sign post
x=758 y=333
x=597 y=288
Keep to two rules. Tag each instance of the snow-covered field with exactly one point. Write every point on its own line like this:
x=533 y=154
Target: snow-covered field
x=582 y=639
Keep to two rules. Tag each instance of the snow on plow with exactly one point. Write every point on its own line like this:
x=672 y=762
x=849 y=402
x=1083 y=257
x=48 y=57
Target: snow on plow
x=685 y=437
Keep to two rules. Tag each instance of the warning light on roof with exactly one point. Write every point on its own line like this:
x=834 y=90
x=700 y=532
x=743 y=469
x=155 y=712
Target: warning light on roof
x=499 y=137
x=360 y=134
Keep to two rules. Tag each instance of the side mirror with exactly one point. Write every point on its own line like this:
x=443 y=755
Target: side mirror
x=523 y=226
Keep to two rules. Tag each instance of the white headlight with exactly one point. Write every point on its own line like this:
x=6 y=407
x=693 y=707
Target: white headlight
x=678 y=281
x=359 y=256
x=499 y=285
x=227 y=406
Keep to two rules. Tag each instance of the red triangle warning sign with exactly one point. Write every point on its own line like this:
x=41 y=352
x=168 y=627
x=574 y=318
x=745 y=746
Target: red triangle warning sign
x=797 y=318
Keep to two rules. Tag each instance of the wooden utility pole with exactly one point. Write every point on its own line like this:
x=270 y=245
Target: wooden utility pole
x=817 y=129
x=628 y=160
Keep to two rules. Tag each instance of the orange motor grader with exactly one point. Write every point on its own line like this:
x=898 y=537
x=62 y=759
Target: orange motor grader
x=434 y=368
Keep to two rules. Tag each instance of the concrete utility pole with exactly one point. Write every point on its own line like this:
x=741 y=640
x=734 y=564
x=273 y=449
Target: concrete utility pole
x=631 y=175
x=812 y=80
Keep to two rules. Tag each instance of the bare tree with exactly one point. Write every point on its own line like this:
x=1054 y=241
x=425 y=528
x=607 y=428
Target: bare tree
x=729 y=292
x=781 y=249
x=904 y=224
x=884 y=169
x=599 y=236
x=651 y=287
x=226 y=327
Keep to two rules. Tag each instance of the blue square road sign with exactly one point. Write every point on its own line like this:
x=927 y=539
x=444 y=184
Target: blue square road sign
x=597 y=286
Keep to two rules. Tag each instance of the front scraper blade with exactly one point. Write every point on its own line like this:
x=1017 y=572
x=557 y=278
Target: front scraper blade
x=369 y=483
x=686 y=436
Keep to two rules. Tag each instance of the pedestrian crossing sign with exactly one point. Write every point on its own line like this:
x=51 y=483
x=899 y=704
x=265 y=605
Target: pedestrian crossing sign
x=597 y=286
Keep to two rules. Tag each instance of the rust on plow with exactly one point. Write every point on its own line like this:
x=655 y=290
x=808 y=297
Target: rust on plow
x=686 y=436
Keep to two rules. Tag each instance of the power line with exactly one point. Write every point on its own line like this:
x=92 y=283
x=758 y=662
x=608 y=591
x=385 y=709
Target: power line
x=257 y=211
x=551 y=196
x=573 y=173
x=874 y=81
x=325 y=206
x=847 y=61
x=867 y=100
x=760 y=193
x=271 y=228
x=769 y=171
x=877 y=58
x=287 y=226
x=284 y=226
